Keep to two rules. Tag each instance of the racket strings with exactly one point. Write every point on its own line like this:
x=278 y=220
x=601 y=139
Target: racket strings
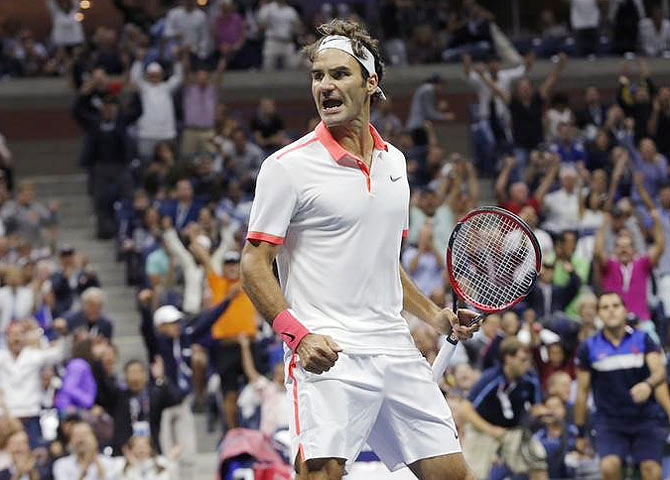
x=493 y=260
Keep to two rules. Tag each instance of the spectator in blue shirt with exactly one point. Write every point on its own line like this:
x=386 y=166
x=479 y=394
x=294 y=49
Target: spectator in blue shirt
x=566 y=146
x=498 y=406
x=625 y=370
x=557 y=436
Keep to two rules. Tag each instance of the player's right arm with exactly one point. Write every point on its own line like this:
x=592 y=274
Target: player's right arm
x=318 y=353
x=274 y=205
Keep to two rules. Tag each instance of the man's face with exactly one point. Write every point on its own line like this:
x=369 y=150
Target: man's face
x=556 y=354
x=338 y=89
x=588 y=310
x=624 y=248
x=510 y=323
x=428 y=203
x=26 y=195
x=92 y=308
x=202 y=78
x=648 y=149
x=518 y=193
x=239 y=140
x=568 y=181
x=555 y=407
x=81 y=439
x=560 y=384
x=136 y=377
x=155 y=77
x=16 y=337
x=547 y=273
x=266 y=106
x=592 y=95
x=18 y=444
x=170 y=330
x=142 y=448
x=518 y=364
x=569 y=244
x=612 y=311
x=231 y=270
x=184 y=191
x=525 y=89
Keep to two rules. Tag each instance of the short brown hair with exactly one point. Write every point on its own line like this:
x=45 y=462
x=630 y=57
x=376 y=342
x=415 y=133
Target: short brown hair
x=510 y=346
x=359 y=37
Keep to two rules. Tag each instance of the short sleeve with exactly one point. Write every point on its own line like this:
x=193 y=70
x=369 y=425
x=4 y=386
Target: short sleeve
x=582 y=359
x=650 y=345
x=274 y=204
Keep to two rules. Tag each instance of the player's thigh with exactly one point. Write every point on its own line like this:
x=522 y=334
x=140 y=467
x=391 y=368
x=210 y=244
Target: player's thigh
x=414 y=421
x=333 y=412
x=648 y=443
x=442 y=467
x=319 y=468
x=611 y=439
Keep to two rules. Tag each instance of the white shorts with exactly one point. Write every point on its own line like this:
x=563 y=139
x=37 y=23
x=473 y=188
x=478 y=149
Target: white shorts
x=389 y=401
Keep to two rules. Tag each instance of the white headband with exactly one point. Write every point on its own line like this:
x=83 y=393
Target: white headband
x=343 y=43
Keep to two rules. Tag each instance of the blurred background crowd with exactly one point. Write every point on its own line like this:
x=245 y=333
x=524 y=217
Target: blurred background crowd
x=171 y=172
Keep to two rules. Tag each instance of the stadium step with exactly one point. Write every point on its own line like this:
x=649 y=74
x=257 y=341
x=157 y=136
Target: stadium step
x=77 y=227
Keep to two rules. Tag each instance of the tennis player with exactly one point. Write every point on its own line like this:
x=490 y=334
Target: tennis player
x=332 y=208
x=624 y=368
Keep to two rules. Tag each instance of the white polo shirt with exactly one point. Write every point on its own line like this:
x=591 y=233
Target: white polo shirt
x=340 y=227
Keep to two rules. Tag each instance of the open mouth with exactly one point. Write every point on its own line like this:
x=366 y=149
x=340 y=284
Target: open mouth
x=331 y=105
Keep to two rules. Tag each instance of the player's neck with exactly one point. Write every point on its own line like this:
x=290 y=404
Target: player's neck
x=355 y=137
x=614 y=335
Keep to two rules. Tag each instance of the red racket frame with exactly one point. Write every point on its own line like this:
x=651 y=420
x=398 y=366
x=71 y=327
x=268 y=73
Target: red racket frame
x=522 y=225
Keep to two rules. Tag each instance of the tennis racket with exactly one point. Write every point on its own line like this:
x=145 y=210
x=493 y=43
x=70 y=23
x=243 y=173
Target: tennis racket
x=493 y=260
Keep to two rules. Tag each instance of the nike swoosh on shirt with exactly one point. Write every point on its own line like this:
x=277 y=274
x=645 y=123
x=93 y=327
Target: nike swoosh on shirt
x=396 y=178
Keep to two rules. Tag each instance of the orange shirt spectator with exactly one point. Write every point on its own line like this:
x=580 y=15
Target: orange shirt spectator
x=240 y=317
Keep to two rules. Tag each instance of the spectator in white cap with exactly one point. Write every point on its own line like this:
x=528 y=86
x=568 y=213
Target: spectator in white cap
x=176 y=335
x=157 y=122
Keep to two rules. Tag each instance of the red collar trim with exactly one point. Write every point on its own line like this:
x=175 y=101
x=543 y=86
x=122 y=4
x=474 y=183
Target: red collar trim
x=336 y=150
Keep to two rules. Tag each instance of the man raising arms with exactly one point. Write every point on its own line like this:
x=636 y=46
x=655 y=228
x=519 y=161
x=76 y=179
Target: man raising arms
x=332 y=208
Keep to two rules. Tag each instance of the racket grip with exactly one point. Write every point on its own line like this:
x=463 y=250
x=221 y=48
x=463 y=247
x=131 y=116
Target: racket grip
x=443 y=359
x=446 y=353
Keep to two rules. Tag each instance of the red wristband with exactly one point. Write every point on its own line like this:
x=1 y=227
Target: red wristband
x=289 y=329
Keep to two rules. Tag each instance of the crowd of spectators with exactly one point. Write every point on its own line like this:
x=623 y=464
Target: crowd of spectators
x=268 y=34
x=171 y=175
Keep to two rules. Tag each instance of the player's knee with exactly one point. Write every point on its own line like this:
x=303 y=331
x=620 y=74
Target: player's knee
x=610 y=467
x=320 y=469
x=650 y=470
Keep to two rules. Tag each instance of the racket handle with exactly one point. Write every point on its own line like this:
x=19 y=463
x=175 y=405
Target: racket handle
x=443 y=359
x=446 y=353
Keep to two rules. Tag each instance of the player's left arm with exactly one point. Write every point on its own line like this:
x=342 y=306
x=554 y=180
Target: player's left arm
x=643 y=390
x=442 y=320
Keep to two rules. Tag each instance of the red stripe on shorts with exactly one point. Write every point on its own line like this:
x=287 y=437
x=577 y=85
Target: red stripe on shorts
x=296 y=415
